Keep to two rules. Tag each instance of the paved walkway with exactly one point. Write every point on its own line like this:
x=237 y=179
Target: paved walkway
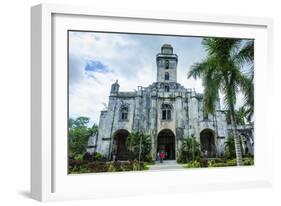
x=166 y=165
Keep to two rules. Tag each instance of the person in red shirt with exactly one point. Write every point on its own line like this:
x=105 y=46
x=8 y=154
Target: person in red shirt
x=162 y=156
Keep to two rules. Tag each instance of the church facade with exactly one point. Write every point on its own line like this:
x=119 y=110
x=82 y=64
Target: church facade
x=164 y=110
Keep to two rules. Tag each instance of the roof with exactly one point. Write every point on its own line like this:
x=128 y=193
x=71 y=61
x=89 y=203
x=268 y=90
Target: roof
x=167 y=46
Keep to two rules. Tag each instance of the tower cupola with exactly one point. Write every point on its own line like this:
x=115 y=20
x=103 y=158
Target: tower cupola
x=166 y=64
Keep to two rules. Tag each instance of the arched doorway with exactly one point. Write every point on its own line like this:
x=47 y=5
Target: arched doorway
x=207 y=142
x=166 y=143
x=119 y=148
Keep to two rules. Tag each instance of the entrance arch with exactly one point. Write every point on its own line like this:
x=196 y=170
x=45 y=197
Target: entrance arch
x=207 y=142
x=120 y=148
x=166 y=143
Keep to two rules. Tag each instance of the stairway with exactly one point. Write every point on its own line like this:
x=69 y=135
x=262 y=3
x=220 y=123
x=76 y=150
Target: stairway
x=166 y=165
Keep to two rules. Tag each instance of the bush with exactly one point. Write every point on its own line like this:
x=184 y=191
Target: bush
x=192 y=164
x=248 y=161
x=111 y=168
x=97 y=156
x=126 y=166
x=97 y=166
x=79 y=157
x=221 y=164
x=148 y=158
x=231 y=162
x=216 y=161
x=84 y=166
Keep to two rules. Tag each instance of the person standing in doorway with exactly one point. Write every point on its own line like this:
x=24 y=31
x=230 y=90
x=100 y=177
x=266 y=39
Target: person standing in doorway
x=157 y=156
x=162 y=156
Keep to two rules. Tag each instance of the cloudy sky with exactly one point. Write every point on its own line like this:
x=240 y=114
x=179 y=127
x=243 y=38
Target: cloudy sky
x=96 y=60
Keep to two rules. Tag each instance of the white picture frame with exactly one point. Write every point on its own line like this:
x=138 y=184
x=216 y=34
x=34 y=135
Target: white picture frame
x=49 y=179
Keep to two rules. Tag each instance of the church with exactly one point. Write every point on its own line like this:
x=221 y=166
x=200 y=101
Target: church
x=164 y=110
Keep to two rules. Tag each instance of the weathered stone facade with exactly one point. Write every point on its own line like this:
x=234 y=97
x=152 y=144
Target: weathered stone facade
x=165 y=110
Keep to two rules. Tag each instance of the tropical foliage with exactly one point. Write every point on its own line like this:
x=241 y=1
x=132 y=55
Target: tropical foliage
x=193 y=164
x=189 y=150
x=103 y=166
x=241 y=115
x=223 y=71
x=78 y=136
x=246 y=57
x=229 y=148
x=139 y=144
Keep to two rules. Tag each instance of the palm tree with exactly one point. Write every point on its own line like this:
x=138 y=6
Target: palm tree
x=190 y=148
x=229 y=147
x=240 y=115
x=221 y=71
x=246 y=56
x=139 y=144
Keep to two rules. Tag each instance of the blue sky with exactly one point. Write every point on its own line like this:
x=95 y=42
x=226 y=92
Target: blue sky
x=96 y=60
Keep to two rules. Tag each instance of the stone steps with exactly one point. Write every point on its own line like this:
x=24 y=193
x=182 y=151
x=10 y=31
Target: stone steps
x=166 y=165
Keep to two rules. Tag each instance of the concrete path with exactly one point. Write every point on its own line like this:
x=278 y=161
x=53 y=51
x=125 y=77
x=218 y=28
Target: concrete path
x=166 y=165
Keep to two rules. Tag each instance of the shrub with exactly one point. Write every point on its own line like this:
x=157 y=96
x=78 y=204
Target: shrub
x=248 y=161
x=87 y=156
x=97 y=156
x=126 y=166
x=83 y=166
x=216 y=161
x=221 y=163
x=231 y=162
x=111 y=168
x=79 y=157
x=148 y=158
x=98 y=166
x=193 y=164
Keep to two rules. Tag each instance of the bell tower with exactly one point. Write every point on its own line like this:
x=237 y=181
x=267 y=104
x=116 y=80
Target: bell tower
x=166 y=64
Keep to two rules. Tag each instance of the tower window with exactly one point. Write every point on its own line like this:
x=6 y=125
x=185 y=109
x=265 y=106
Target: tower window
x=166 y=64
x=124 y=110
x=166 y=76
x=167 y=88
x=166 y=112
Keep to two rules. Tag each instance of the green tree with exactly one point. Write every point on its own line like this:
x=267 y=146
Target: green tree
x=81 y=122
x=78 y=136
x=190 y=149
x=245 y=56
x=221 y=71
x=240 y=116
x=229 y=147
x=94 y=129
x=139 y=145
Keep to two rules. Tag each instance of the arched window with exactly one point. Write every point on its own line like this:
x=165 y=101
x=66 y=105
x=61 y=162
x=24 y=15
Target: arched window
x=166 y=75
x=166 y=64
x=124 y=111
x=167 y=88
x=166 y=112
